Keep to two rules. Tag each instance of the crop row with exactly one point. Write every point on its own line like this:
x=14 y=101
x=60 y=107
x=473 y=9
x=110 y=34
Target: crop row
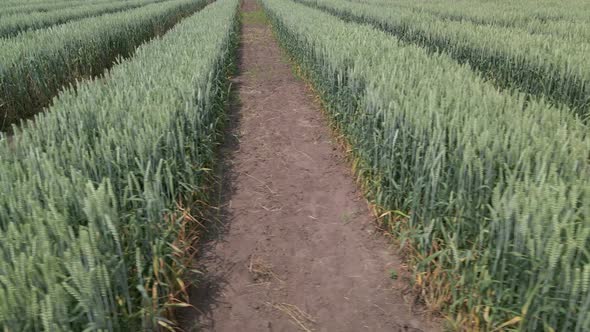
x=489 y=189
x=541 y=65
x=94 y=196
x=17 y=3
x=46 y=6
x=499 y=12
x=14 y=24
x=35 y=66
x=533 y=17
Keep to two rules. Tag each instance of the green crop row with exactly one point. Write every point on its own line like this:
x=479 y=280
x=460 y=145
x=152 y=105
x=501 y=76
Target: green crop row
x=550 y=18
x=94 y=195
x=35 y=66
x=17 y=3
x=46 y=6
x=15 y=24
x=500 y=12
x=541 y=65
x=489 y=191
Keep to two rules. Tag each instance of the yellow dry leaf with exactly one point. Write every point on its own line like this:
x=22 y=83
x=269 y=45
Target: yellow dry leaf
x=513 y=321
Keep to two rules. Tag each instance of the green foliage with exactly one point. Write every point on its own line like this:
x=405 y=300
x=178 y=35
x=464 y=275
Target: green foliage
x=393 y=274
x=35 y=66
x=254 y=17
x=542 y=65
x=544 y=17
x=88 y=192
x=496 y=185
x=11 y=25
x=20 y=7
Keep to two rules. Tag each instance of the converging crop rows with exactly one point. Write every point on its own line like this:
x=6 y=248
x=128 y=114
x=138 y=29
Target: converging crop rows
x=467 y=123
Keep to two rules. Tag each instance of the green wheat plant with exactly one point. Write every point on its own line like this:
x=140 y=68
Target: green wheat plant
x=495 y=185
x=12 y=25
x=36 y=65
x=566 y=19
x=542 y=65
x=88 y=192
x=30 y=7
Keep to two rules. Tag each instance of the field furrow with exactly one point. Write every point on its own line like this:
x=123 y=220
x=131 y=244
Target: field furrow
x=282 y=165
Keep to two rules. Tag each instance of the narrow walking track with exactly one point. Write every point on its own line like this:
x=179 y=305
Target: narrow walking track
x=298 y=250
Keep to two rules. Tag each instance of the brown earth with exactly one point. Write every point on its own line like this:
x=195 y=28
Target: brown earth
x=296 y=248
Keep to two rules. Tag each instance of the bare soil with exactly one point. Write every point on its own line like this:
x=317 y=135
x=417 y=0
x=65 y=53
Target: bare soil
x=296 y=248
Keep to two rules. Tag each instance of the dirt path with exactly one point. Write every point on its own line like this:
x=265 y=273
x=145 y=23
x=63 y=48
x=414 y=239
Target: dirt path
x=298 y=250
